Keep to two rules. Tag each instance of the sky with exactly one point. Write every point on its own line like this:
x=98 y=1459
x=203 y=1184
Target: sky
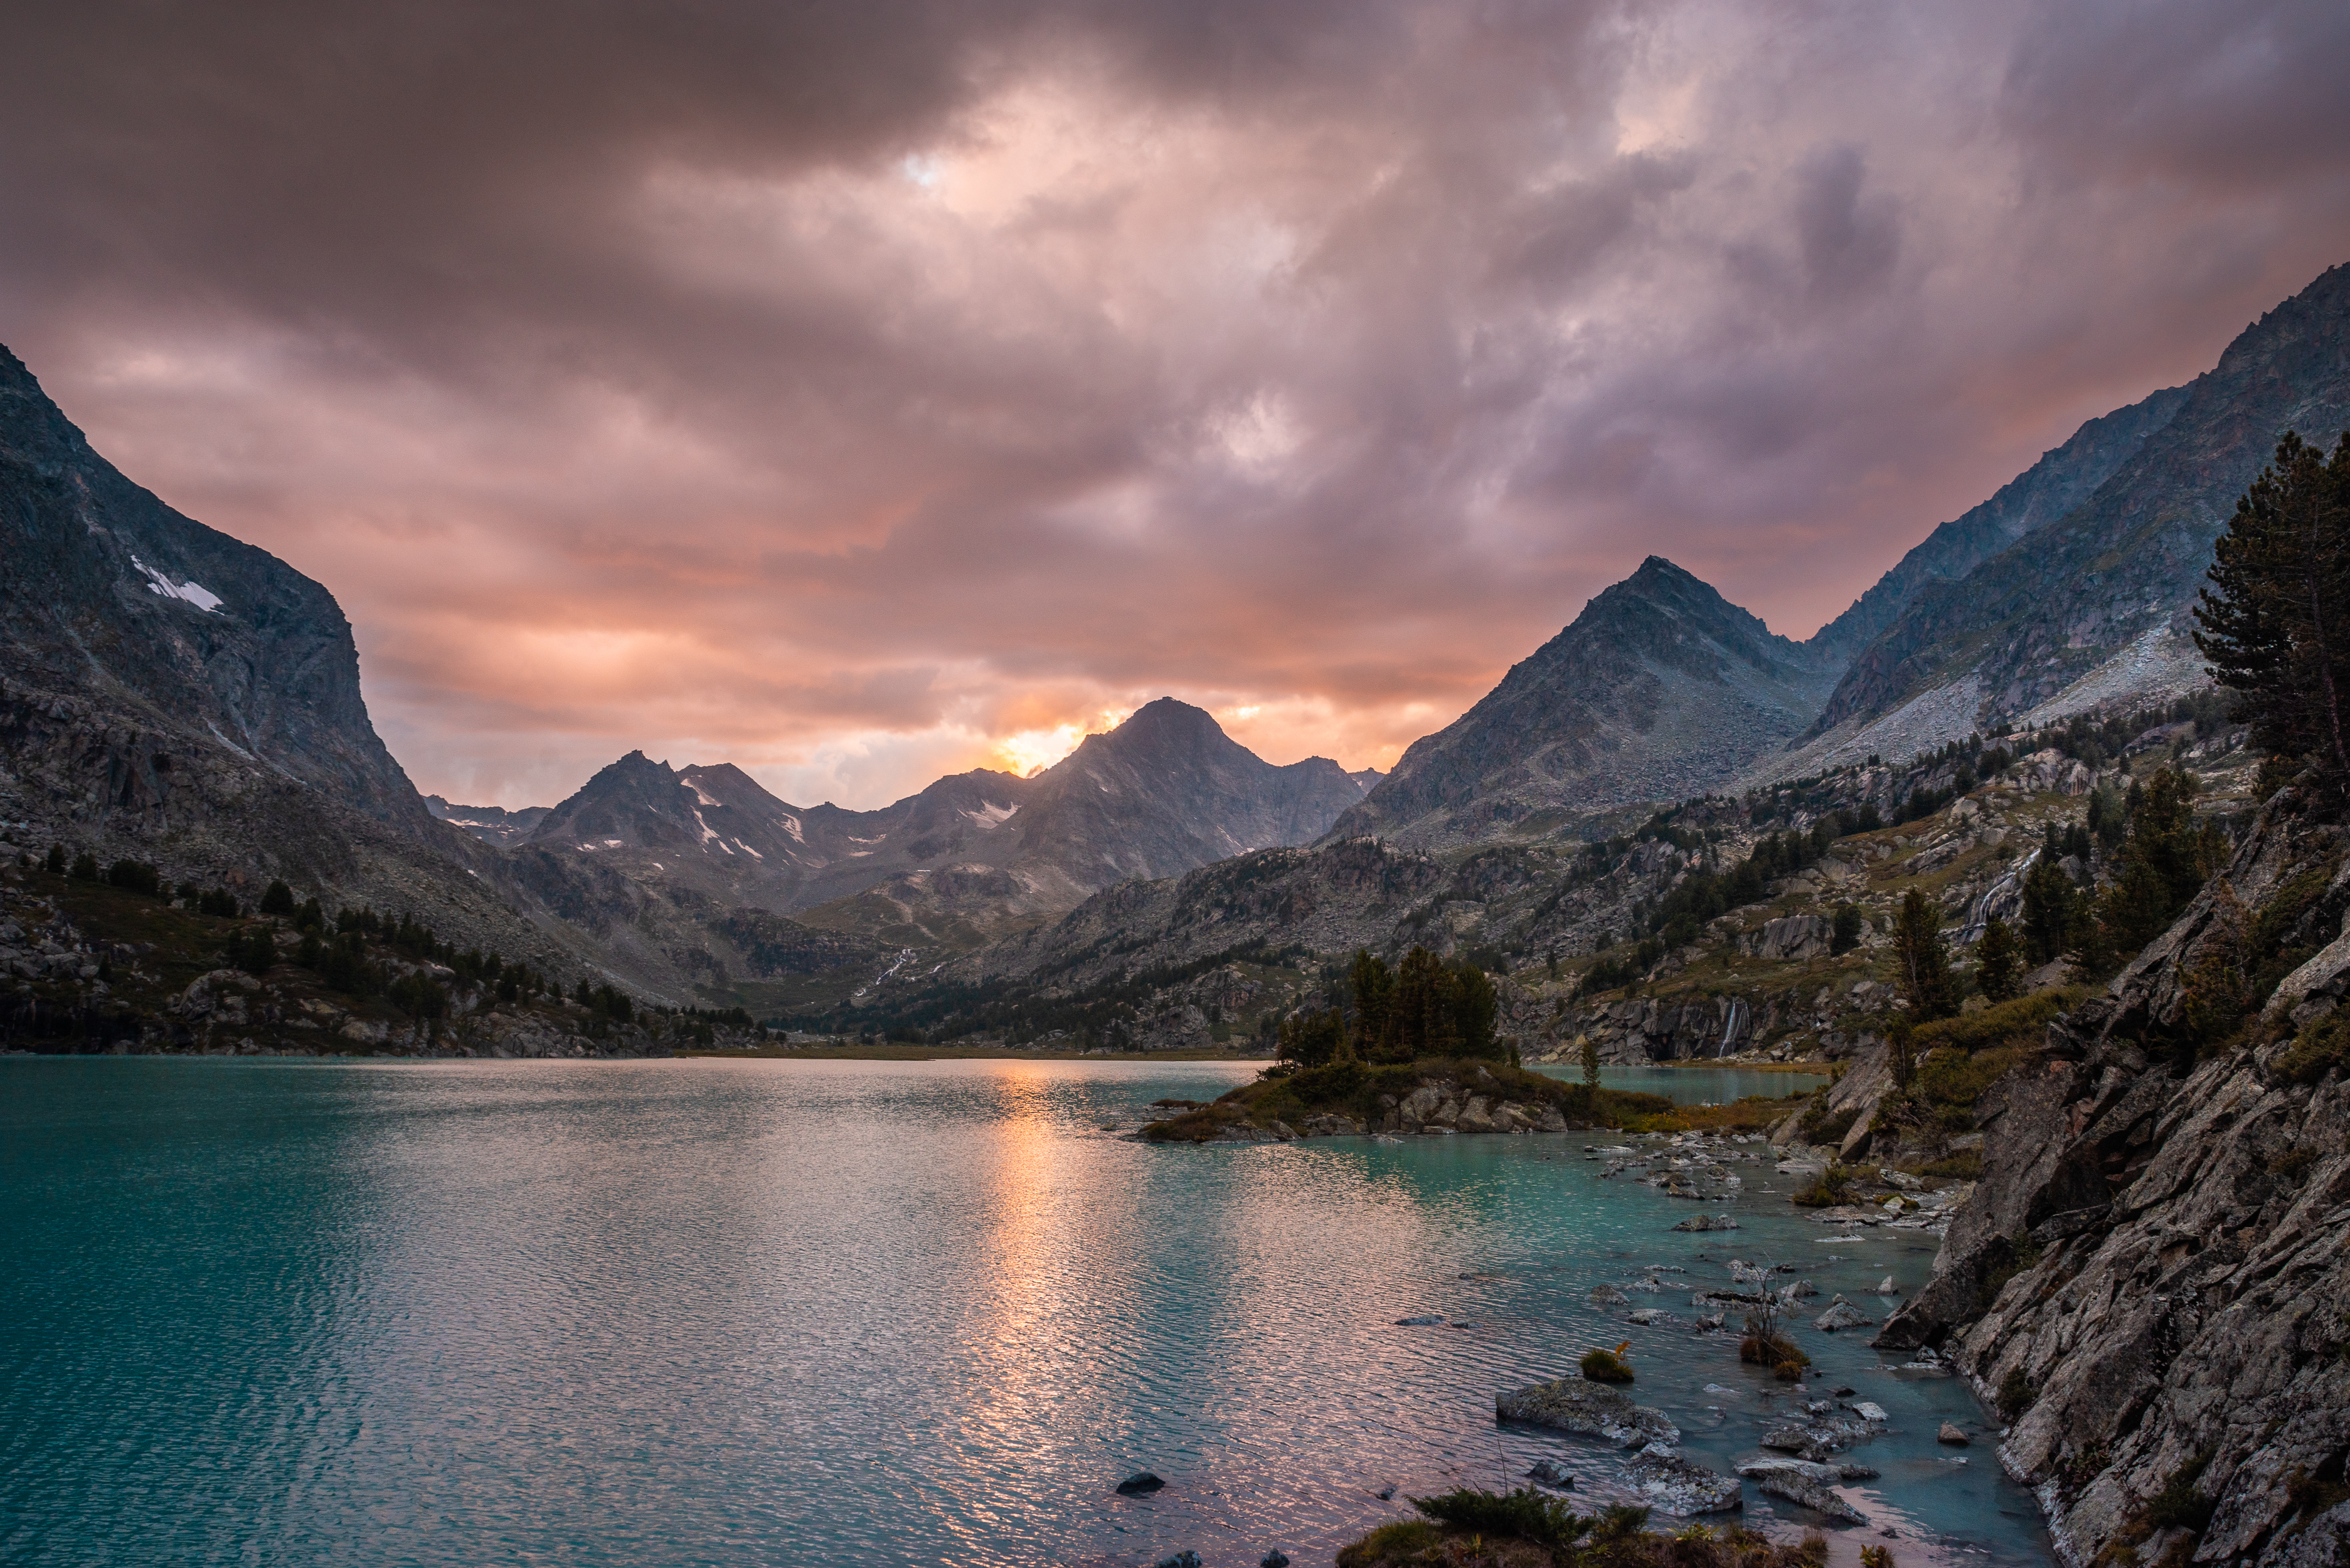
x=860 y=393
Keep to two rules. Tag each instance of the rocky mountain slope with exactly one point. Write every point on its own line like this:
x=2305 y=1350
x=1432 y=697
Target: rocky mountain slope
x=171 y=695
x=2151 y=1278
x=490 y=824
x=2062 y=479
x=2095 y=605
x=1611 y=940
x=1659 y=690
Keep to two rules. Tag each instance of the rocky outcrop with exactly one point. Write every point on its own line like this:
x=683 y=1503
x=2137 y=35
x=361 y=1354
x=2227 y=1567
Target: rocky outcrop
x=1671 y=1484
x=1588 y=1409
x=2152 y=1276
x=1805 y=1484
x=1475 y=1105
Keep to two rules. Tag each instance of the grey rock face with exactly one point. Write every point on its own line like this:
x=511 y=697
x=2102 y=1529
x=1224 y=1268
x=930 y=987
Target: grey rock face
x=1552 y=1474
x=2062 y=480
x=2175 y=1315
x=170 y=694
x=1592 y=1409
x=1841 y=1315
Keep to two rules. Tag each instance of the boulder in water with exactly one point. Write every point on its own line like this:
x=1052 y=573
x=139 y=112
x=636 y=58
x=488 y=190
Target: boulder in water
x=1841 y=1313
x=1591 y=1409
x=1682 y=1488
x=1552 y=1474
x=1802 y=1483
x=1141 y=1483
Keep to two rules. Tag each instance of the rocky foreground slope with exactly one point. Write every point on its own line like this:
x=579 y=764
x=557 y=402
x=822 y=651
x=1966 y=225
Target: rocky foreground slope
x=2153 y=1278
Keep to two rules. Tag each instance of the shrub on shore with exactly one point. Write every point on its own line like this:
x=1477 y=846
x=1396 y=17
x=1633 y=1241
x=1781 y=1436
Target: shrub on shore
x=1525 y=1528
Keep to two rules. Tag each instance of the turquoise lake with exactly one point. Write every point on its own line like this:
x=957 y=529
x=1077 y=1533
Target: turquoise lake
x=735 y=1312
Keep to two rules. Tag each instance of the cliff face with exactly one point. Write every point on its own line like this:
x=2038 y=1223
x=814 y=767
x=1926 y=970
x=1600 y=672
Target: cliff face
x=193 y=646
x=1659 y=688
x=2153 y=1278
x=176 y=696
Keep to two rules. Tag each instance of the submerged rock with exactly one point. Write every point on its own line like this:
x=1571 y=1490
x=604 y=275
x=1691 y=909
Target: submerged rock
x=1682 y=1488
x=1591 y=1409
x=1425 y=1320
x=1708 y=1222
x=1139 y=1484
x=1608 y=1295
x=1552 y=1474
x=1802 y=1483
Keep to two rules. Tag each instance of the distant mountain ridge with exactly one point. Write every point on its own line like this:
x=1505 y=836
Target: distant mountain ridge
x=1165 y=792
x=490 y=824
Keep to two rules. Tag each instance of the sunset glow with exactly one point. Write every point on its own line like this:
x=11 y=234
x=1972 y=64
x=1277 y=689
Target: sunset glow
x=861 y=402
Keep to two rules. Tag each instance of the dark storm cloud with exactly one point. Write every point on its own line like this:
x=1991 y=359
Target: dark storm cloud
x=859 y=391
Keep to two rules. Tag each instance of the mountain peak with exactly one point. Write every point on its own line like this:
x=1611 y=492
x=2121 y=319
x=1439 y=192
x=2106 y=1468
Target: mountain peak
x=1660 y=687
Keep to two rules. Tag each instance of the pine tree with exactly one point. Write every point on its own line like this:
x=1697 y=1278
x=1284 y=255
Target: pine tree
x=1588 y=1049
x=1371 y=985
x=1843 y=934
x=2048 y=899
x=1999 y=962
x=279 y=900
x=1924 y=962
x=2272 y=622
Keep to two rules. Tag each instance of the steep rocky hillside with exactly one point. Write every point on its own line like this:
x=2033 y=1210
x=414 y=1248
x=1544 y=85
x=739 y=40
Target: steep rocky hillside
x=2150 y=1281
x=2095 y=606
x=2062 y=479
x=172 y=695
x=1660 y=689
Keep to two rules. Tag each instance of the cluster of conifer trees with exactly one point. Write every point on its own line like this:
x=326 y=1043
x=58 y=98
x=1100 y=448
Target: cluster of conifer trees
x=1421 y=1007
x=2273 y=620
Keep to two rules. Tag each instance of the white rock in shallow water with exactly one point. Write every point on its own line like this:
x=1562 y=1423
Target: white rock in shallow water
x=1885 y=1287
x=1798 y=1482
x=1671 y=1484
x=1608 y=1295
x=1870 y=1412
x=1841 y=1313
